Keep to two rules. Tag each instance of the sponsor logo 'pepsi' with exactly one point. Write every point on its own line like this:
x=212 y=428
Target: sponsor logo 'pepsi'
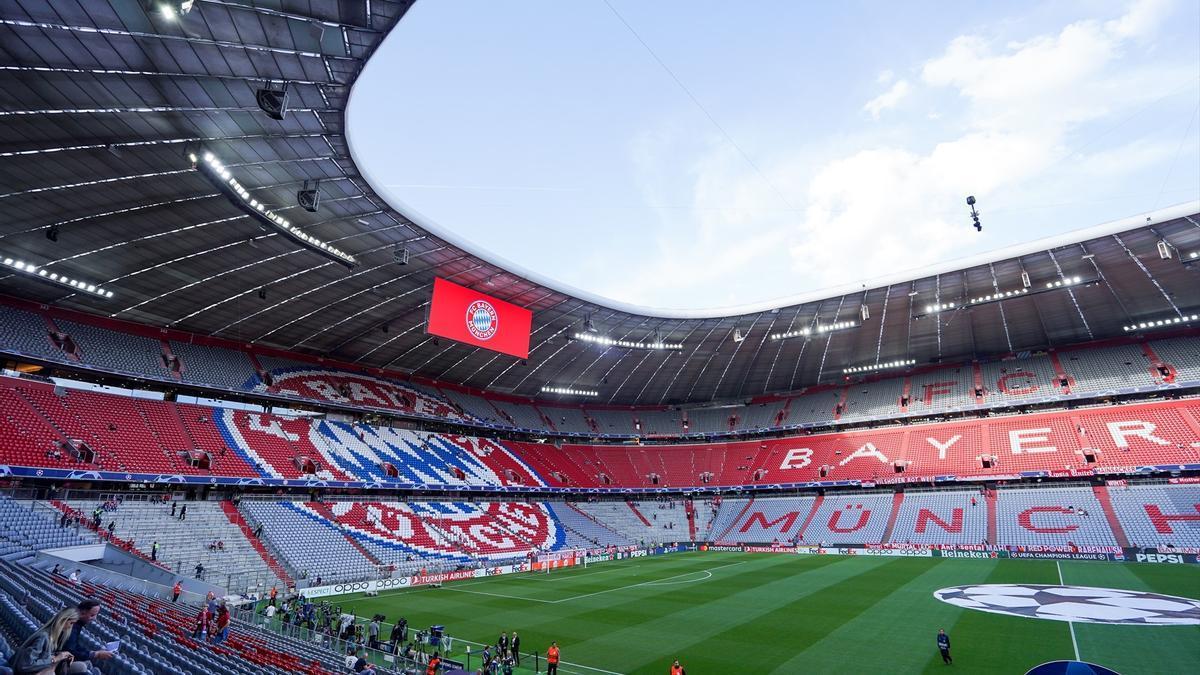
x=482 y=320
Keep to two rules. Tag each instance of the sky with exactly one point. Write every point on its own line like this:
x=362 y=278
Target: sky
x=703 y=154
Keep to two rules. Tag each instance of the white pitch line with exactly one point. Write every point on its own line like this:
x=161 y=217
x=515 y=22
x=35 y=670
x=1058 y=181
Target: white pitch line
x=688 y=581
x=644 y=583
x=577 y=665
x=561 y=577
x=1070 y=624
x=497 y=595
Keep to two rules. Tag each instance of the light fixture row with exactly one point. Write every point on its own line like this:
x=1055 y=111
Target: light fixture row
x=938 y=307
x=1065 y=281
x=999 y=296
x=815 y=330
x=629 y=344
x=899 y=363
x=569 y=391
x=56 y=278
x=1162 y=323
x=217 y=169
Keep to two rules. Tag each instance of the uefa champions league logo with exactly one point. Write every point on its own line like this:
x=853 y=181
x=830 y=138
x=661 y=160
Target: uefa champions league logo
x=482 y=320
x=1076 y=603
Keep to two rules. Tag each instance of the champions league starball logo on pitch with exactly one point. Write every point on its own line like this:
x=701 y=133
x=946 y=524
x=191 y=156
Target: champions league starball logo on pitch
x=1076 y=603
x=482 y=320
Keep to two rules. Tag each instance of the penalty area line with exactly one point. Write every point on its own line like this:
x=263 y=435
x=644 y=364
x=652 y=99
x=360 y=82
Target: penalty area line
x=645 y=583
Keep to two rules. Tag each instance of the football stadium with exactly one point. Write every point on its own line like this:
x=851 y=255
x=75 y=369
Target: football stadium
x=259 y=414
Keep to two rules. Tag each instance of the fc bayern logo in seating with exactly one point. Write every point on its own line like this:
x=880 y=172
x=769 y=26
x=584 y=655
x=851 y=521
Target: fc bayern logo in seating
x=482 y=320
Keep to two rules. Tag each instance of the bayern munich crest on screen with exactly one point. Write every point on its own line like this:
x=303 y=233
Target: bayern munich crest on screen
x=482 y=320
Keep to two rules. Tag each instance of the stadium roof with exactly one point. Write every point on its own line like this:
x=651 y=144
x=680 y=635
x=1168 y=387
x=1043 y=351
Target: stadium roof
x=104 y=101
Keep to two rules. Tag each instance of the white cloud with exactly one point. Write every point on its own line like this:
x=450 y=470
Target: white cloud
x=889 y=207
x=888 y=99
x=885 y=77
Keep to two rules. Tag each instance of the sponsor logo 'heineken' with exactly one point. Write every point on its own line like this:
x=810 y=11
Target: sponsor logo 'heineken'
x=1075 y=603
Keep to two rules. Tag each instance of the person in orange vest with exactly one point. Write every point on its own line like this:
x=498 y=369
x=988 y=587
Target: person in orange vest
x=434 y=664
x=677 y=669
x=274 y=592
x=175 y=591
x=552 y=659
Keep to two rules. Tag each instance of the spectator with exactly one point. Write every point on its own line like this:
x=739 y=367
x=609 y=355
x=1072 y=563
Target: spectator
x=74 y=578
x=173 y=505
x=199 y=570
x=514 y=643
x=112 y=525
x=175 y=591
x=45 y=650
x=200 y=632
x=361 y=665
x=183 y=512
x=87 y=611
x=552 y=657
x=373 y=633
x=154 y=551
x=57 y=571
x=434 y=664
x=222 y=624
x=351 y=658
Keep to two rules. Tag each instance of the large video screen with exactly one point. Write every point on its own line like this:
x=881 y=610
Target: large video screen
x=478 y=319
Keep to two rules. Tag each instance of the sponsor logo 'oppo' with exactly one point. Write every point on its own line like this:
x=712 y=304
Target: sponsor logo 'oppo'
x=482 y=320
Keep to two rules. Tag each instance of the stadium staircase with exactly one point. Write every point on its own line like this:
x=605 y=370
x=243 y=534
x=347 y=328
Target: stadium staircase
x=690 y=509
x=1105 y=500
x=813 y=514
x=633 y=507
x=897 y=499
x=991 y=516
x=733 y=523
x=326 y=513
x=86 y=521
x=592 y=518
x=1061 y=373
x=236 y=519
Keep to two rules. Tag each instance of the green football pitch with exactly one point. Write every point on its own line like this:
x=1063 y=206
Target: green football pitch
x=727 y=613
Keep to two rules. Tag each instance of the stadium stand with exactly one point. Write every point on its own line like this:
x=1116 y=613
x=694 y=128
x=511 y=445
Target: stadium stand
x=1107 y=368
x=649 y=522
x=583 y=529
x=183 y=544
x=322 y=549
x=24 y=525
x=215 y=366
x=26 y=333
x=849 y=519
x=1022 y=378
x=1182 y=355
x=943 y=517
x=156 y=635
x=1054 y=516
x=767 y=520
x=115 y=351
x=1158 y=515
x=1012 y=380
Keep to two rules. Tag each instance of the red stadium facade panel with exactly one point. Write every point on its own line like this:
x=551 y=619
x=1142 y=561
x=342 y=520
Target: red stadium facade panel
x=477 y=319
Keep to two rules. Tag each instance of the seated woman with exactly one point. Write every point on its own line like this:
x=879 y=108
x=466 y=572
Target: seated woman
x=42 y=652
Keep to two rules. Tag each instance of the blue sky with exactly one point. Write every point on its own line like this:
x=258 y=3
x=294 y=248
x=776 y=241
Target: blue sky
x=827 y=142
